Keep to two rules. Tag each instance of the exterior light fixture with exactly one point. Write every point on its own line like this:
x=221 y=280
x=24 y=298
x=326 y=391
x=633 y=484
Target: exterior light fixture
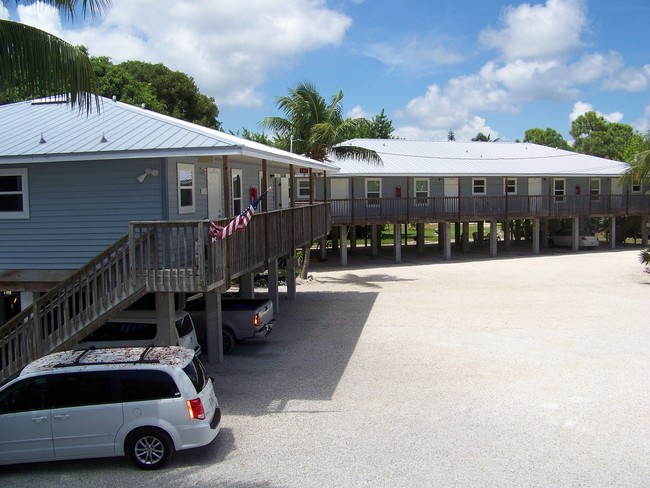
x=147 y=172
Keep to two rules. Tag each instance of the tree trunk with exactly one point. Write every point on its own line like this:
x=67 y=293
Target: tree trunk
x=306 y=252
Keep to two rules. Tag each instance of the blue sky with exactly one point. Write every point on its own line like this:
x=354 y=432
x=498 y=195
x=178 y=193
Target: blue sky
x=493 y=66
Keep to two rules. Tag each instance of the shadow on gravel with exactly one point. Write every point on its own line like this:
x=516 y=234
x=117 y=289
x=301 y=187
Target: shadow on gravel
x=303 y=359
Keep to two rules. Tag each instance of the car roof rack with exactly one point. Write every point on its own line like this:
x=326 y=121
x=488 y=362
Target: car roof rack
x=141 y=360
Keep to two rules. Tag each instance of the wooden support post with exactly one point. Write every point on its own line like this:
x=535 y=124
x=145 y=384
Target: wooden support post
x=272 y=283
x=213 y=327
x=397 y=242
x=166 y=318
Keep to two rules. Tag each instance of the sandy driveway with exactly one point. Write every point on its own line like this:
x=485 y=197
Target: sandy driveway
x=520 y=371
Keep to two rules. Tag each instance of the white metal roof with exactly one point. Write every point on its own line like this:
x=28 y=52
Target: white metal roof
x=451 y=158
x=119 y=130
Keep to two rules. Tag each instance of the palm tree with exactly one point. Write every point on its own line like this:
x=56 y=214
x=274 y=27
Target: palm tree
x=34 y=63
x=315 y=128
x=639 y=171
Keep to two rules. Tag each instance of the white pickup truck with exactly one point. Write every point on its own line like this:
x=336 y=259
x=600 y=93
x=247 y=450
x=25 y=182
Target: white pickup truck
x=241 y=319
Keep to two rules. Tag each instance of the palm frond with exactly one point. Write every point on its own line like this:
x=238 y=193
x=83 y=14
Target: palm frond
x=639 y=171
x=42 y=64
x=69 y=7
x=357 y=153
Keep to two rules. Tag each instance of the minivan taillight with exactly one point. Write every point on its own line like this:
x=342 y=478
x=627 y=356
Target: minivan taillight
x=195 y=409
x=256 y=320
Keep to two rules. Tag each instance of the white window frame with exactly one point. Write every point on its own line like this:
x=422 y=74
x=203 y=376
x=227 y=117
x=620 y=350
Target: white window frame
x=421 y=198
x=559 y=194
x=476 y=182
x=371 y=199
x=180 y=169
x=594 y=190
x=636 y=188
x=24 y=191
x=303 y=188
x=233 y=175
x=510 y=183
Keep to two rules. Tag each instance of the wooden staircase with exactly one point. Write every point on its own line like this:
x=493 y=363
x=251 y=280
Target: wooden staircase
x=157 y=256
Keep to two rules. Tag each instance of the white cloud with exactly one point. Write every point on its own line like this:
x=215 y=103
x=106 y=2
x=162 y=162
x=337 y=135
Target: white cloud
x=581 y=108
x=629 y=79
x=4 y=13
x=549 y=31
x=227 y=47
x=414 y=53
x=358 y=113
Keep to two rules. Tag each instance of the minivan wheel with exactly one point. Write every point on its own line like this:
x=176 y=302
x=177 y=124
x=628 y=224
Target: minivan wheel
x=149 y=448
x=228 y=340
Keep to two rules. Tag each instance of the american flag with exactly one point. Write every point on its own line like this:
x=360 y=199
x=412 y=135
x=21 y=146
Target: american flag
x=239 y=223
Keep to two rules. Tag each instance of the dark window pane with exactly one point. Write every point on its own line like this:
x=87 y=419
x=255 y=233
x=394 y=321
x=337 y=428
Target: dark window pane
x=196 y=374
x=186 y=198
x=123 y=331
x=142 y=385
x=87 y=388
x=26 y=395
x=11 y=203
x=11 y=183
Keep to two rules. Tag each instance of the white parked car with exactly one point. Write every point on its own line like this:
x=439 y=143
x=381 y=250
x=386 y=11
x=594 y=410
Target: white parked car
x=144 y=402
x=140 y=328
x=564 y=237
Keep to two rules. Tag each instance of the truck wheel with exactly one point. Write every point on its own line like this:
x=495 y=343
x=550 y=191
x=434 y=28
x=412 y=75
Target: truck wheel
x=149 y=448
x=228 y=340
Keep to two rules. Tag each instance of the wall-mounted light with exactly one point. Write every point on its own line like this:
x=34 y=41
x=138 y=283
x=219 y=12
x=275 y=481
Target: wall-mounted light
x=147 y=172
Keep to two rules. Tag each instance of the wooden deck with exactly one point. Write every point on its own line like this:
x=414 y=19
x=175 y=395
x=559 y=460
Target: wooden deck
x=157 y=256
x=364 y=211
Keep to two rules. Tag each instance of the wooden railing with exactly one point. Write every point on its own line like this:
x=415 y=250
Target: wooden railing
x=363 y=211
x=156 y=256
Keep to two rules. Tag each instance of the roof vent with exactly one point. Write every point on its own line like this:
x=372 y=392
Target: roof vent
x=114 y=98
x=42 y=141
x=103 y=139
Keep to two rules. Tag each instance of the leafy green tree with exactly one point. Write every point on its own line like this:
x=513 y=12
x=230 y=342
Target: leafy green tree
x=596 y=136
x=549 y=137
x=254 y=136
x=379 y=127
x=315 y=127
x=480 y=137
x=158 y=88
x=35 y=63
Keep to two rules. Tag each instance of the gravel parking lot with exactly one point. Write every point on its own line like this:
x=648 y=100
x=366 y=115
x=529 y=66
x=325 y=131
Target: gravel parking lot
x=518 y=371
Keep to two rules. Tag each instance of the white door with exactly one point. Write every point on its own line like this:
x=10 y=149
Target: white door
x=340 y=188
x=215 y=194
x=25 y=422
x=535 y=192
x=451 y=194
x=88 y=418
x=282 y=192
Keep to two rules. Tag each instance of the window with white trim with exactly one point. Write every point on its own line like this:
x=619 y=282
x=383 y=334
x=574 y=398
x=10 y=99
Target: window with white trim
x=186 y=193
x=594 y=189
x=303 y=188
x=636 y=188
x=236 y=191
x=559 y=189
x=510 y=186
x=478 y=186
x=14 y=195
x=421 y=190
x=373 y=191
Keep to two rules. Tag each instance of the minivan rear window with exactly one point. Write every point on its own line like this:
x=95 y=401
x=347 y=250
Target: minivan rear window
x=196 y=373
x=143 y=385
x=184 y=326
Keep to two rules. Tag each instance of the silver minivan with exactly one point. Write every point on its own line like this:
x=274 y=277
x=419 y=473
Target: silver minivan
x=140 y=328
x=144 y=402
